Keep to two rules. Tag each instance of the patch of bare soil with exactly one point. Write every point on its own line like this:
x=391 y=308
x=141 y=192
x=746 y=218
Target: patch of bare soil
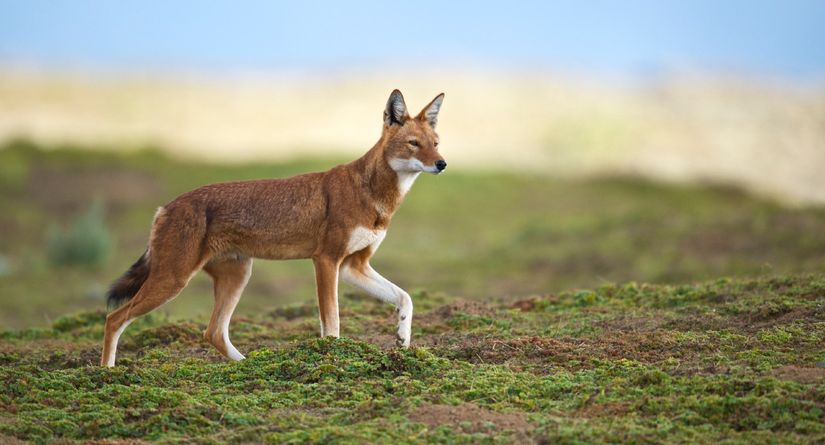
x=116 y=442
x=609 y=409
x=525 y=304
x=652 y=321
x=444 y=313
x=747 y=322
x=518 y=353
x=9 y=440
x=293 y=312
x=84 y=357
x=540 y=354
x=799 y=374
x=471 y=418
x=384 y=340
x=807 y=314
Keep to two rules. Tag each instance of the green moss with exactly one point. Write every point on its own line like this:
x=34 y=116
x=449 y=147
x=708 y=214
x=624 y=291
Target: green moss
x=680 y=383
x=775 y=336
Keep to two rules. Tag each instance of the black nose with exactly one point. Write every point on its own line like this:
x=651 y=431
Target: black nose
x=441 y=165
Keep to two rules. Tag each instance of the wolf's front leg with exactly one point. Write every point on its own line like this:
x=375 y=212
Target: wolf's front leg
x=326 y=280
x=371 y=282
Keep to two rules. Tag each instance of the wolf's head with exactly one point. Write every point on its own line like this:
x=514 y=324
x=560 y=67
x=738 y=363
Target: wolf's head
x=411 y=144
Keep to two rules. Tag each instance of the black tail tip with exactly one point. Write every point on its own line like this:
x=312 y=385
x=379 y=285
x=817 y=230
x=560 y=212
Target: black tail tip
x=129 y=283
x=116 y=296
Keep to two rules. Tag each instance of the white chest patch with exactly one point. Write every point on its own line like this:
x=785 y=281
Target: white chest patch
x=362 y=237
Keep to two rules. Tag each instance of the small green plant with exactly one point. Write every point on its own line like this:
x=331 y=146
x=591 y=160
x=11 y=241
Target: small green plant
x=87 y=242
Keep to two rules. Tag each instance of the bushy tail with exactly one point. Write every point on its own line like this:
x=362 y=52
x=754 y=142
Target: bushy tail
x=129 y=283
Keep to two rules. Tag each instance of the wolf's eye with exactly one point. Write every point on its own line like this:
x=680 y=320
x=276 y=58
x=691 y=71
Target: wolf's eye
x=413 y=142
x=435 y=144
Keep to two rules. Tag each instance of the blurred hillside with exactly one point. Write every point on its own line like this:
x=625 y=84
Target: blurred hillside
x=766 y=137
x=72 y=219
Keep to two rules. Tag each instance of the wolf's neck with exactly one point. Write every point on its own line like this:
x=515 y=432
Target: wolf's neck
x=405 y=181
x=383 y=184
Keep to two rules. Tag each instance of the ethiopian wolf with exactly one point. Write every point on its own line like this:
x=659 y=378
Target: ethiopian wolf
x=338 y=218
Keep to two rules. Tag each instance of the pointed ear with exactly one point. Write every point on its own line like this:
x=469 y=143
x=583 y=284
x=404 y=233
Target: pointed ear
x=396 y=110
x=430 y=113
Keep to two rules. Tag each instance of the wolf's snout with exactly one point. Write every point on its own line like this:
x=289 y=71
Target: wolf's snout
x=441 y=165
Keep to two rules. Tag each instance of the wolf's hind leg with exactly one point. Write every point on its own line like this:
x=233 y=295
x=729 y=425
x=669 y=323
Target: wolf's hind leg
x=116 y=323
x=230 y=278
x=157 y=290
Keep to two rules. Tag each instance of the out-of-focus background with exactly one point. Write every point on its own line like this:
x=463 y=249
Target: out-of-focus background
x=588 y=142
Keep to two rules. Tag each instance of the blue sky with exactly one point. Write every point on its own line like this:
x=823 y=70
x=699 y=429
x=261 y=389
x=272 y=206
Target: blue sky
x=773 y=38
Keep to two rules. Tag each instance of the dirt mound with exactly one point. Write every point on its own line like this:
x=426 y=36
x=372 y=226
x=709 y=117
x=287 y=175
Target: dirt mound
x=799 y=374
x=528 y=304
x=539 y=354
x=446 y=312
x=746 y=322
x=609 y=409
x=519 y=353
x=471 y=418
x=634 y=323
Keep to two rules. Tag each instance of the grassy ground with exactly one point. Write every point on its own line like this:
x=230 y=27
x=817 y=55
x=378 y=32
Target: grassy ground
x=726 y=361
x=475 y=234
x=693 y=359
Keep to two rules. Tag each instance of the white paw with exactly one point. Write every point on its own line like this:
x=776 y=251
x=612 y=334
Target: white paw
x=402 y=342
x=402 y=338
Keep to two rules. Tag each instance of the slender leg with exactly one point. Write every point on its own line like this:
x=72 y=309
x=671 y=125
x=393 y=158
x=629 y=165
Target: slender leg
x=116 y=323
x=157 y=290
x=368 y=280
x=230 y=278
x=326 y=281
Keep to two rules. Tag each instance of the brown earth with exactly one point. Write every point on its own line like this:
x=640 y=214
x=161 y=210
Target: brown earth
x=800 y=374
x=471 y=418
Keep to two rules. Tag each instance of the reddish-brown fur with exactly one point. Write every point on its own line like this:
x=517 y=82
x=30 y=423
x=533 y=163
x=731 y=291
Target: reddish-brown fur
x=220 y=227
